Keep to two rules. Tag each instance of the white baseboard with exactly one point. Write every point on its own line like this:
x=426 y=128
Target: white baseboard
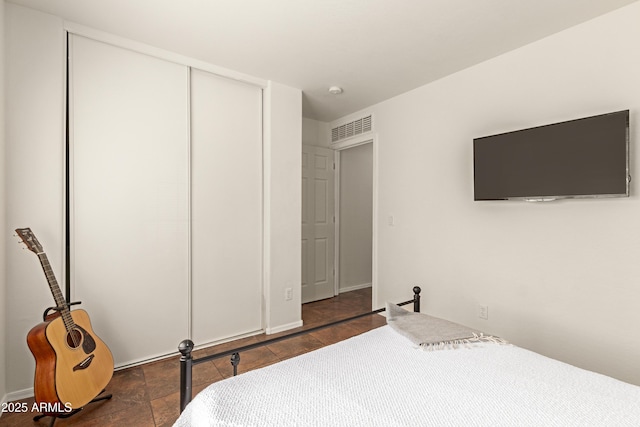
x=355 y=287
x=283 y=328
x=17 y=395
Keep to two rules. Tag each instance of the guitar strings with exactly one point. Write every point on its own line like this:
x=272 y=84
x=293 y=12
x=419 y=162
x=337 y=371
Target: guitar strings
x=59 y=299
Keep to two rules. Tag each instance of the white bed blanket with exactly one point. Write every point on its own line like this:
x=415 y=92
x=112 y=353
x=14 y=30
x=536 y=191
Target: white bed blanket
x=379 y=378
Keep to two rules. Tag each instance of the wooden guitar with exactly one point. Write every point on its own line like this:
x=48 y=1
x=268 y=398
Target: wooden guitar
x=73 y=365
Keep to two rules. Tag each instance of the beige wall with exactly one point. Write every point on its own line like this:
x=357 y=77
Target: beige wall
x=315 y=132
x=561 y=278
x=34 y=174
x=356 y=220
x=3 y=232
x=283 y=206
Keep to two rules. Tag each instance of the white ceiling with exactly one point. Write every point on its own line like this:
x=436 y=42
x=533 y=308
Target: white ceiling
x=373 y=49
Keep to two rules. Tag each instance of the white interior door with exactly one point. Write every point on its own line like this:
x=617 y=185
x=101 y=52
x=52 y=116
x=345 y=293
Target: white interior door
x=226 y=207
x=129 y=166
x=318 y=223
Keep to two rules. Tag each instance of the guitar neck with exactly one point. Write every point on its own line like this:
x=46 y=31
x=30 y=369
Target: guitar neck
x=55 y=291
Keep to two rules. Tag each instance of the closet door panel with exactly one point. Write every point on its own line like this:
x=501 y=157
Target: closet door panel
x=226 y=207
x=130 y=158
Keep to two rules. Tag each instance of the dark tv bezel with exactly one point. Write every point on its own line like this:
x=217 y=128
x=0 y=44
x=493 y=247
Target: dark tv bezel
x=552 y=197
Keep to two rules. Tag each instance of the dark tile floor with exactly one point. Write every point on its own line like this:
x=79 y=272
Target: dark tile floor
x=148 y=395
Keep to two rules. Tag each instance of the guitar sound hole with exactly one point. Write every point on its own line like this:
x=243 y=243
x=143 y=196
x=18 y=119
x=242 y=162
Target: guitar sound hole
x=74 y=338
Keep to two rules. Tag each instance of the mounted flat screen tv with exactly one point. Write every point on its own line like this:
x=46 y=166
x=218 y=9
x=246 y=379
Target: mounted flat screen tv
x=580 y=158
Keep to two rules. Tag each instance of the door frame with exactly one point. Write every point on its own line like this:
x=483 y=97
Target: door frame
x=370 y=138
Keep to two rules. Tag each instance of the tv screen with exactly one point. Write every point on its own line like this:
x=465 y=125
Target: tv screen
x=579 y=158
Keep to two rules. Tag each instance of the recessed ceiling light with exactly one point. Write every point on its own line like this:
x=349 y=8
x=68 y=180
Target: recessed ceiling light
x=335 y=90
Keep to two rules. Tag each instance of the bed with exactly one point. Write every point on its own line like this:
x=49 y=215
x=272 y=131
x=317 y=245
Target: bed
x=389 y=377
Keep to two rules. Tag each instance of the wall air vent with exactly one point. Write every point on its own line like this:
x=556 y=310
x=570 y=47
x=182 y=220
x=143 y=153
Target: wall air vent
x=347 y=130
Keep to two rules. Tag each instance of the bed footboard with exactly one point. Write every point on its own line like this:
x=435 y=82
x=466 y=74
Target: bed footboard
x=186 y=347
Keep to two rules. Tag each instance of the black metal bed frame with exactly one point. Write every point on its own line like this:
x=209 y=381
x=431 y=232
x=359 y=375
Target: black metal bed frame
x=186 y=347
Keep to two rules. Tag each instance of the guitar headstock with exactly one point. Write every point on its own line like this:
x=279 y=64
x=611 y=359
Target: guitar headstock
x=29 y=239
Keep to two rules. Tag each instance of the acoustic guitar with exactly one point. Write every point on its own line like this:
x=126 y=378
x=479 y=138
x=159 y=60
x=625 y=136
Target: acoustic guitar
x=73 y=365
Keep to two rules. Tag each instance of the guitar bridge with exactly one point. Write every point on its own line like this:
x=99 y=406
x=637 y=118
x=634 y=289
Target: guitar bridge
x=84 y=364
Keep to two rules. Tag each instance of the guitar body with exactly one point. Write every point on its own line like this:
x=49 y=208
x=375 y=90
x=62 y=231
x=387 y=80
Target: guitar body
x=72 y=368
x=73 y=365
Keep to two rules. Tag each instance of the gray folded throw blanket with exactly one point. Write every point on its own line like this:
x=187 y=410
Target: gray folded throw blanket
x=432 y=333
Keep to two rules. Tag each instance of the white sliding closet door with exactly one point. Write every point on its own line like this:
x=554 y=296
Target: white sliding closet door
x=130 y=158
x=226 y=207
